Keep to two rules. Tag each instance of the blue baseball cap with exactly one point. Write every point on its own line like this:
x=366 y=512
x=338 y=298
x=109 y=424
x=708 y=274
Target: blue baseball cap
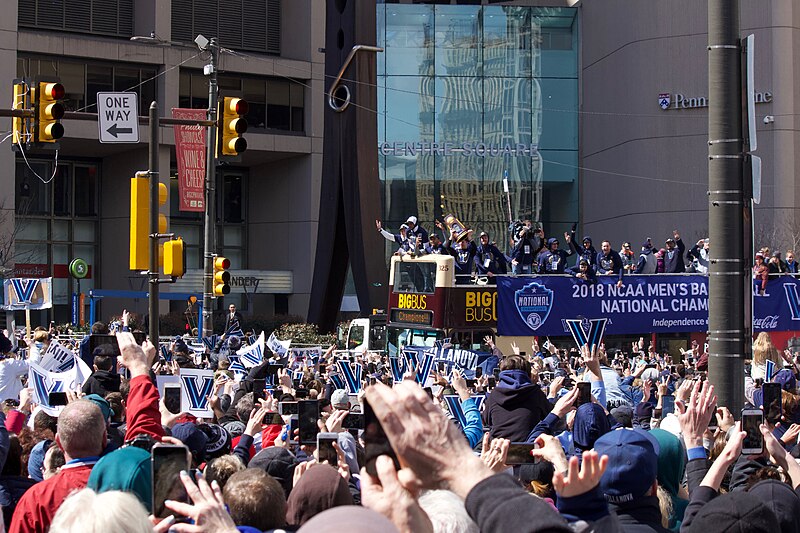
x=632 y=464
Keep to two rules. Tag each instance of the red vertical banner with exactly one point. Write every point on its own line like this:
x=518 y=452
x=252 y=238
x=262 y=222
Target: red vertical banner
x=190 y=152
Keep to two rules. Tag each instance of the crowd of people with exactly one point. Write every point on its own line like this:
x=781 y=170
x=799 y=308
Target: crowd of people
x=530 y=252
x=554 y=440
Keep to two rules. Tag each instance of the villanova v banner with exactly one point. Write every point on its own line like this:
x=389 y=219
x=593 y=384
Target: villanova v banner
x=644 y=304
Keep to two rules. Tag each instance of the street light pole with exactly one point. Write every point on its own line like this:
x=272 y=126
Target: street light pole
x=209 y=240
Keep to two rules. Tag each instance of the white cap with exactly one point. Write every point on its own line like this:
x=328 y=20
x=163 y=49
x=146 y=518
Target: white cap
x=412 y=219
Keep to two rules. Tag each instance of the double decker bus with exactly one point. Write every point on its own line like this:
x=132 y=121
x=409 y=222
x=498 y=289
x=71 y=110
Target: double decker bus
x=426 y=305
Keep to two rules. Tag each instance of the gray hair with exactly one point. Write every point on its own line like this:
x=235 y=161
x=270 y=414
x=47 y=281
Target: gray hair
x=81 y=429
x=447 y=512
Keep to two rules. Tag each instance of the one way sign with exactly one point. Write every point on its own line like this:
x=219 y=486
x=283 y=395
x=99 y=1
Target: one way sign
x=118 y=117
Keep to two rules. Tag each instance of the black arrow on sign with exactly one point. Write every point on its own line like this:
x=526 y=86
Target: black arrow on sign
x=114 y=130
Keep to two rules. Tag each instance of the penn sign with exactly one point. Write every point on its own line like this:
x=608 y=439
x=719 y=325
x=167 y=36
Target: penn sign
x=681 y=101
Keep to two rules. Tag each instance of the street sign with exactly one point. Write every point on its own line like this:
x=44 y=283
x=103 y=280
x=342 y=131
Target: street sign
x=118 y=117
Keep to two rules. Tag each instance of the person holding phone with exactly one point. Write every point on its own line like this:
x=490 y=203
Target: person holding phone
x=473 y=429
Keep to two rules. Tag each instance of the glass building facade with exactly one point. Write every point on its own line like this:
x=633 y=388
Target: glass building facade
x=468 y=94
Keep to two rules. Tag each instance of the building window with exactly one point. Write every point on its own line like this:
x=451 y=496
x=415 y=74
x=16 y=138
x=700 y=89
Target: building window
x=56 y=222
x=274 y=103
x=231 y=220
x=100 y=17
x=240 y=24
x=83 y=80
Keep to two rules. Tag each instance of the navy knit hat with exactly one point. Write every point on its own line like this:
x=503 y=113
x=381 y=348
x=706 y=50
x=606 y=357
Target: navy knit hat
x=632 y=464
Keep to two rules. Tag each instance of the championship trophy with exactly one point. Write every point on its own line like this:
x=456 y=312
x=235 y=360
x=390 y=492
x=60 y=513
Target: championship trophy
x=455 y=225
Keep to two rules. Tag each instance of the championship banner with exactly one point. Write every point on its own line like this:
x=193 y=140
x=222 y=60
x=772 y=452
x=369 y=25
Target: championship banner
x=252 y=355
x=664 y=303
x=190 y=152
x=27 y=293
x=196 y=386
x=279 y=348
x=351 y=372
x=587 y=332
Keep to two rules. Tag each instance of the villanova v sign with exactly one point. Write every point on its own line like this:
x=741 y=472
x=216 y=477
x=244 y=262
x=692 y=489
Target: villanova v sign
x=196 y=386
x=28 y=293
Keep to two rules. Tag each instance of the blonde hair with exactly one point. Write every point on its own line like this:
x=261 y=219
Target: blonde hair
x=665 y=505
x=86 y=511
x=764 y=350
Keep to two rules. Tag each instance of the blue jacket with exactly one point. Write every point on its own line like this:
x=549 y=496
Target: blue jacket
x=473 y=429
x=553 y=262
x=464 y=258
x=610 y=264
x=489 y=259
x=590 y=254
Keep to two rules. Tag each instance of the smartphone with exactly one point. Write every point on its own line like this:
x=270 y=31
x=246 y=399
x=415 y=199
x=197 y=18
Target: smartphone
x=287 y=408
x=713 y=424
x=471 y=383
x=376 y=443
x=325 y=449
x=274 y=419
x=301 y=394
x=496 y=372
x=478 y=372
x=772 y=402
x=172 y=398
x=440 y=367
x=167 y=461
x=584 y=393
x=259 y=392
x=491 y=382
x=353 y=421
x=519 y=453
x=307 y=416
x=57 y=398
x=668 y=406
x=754 y=441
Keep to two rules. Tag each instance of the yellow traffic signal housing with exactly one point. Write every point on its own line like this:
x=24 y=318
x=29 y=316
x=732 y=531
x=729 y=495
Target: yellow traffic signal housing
x=222 y=277
x=232 y=127
x=48 y=112
x=174 y=258
x=20 y=126
x=140 y=222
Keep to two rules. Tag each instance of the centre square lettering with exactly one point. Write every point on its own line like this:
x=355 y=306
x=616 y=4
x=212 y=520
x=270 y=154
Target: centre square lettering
x=465 y=149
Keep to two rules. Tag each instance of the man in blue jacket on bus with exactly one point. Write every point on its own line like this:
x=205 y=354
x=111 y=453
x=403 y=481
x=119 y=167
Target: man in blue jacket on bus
x=489 y=261
x=609 y=263
x=553 y=260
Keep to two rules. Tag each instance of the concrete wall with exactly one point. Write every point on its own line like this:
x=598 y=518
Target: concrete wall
x=645 y=170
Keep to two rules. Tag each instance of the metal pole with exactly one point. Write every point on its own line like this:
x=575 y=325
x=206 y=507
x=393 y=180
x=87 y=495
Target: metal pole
x=152 y=172
x=727 y=272
x=209 y=241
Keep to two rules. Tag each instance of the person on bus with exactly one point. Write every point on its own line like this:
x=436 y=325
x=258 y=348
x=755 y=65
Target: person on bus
x=584 y=271
x=647 y=259
x=415 y=231
x=400 y=239
x=587 y=251
x=553 y=260
x=527 y=244
x=464 y=253
x=609 y=263
x=489 y=261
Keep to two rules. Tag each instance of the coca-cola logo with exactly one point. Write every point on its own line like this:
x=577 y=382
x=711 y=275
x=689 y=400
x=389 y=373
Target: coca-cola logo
x=768 y=322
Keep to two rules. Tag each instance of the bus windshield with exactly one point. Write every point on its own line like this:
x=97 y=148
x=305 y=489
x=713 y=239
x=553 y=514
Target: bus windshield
x=401 y=337
x=415 y=277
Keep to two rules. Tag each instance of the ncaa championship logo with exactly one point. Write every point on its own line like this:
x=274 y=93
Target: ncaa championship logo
x=534 y=302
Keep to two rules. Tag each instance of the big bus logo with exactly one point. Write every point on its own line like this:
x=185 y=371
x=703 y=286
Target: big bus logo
x=411 y=301
x=533 y=303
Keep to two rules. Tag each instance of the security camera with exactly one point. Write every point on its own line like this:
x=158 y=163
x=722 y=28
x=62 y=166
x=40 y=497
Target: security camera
x=769 y=119
x=201 y=42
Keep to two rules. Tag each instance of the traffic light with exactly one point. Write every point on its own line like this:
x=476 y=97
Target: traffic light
x=140 y=221
x=20 y=126
x=222 y=277
x=174 y=258
x=232 y=126
x=48 y=110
